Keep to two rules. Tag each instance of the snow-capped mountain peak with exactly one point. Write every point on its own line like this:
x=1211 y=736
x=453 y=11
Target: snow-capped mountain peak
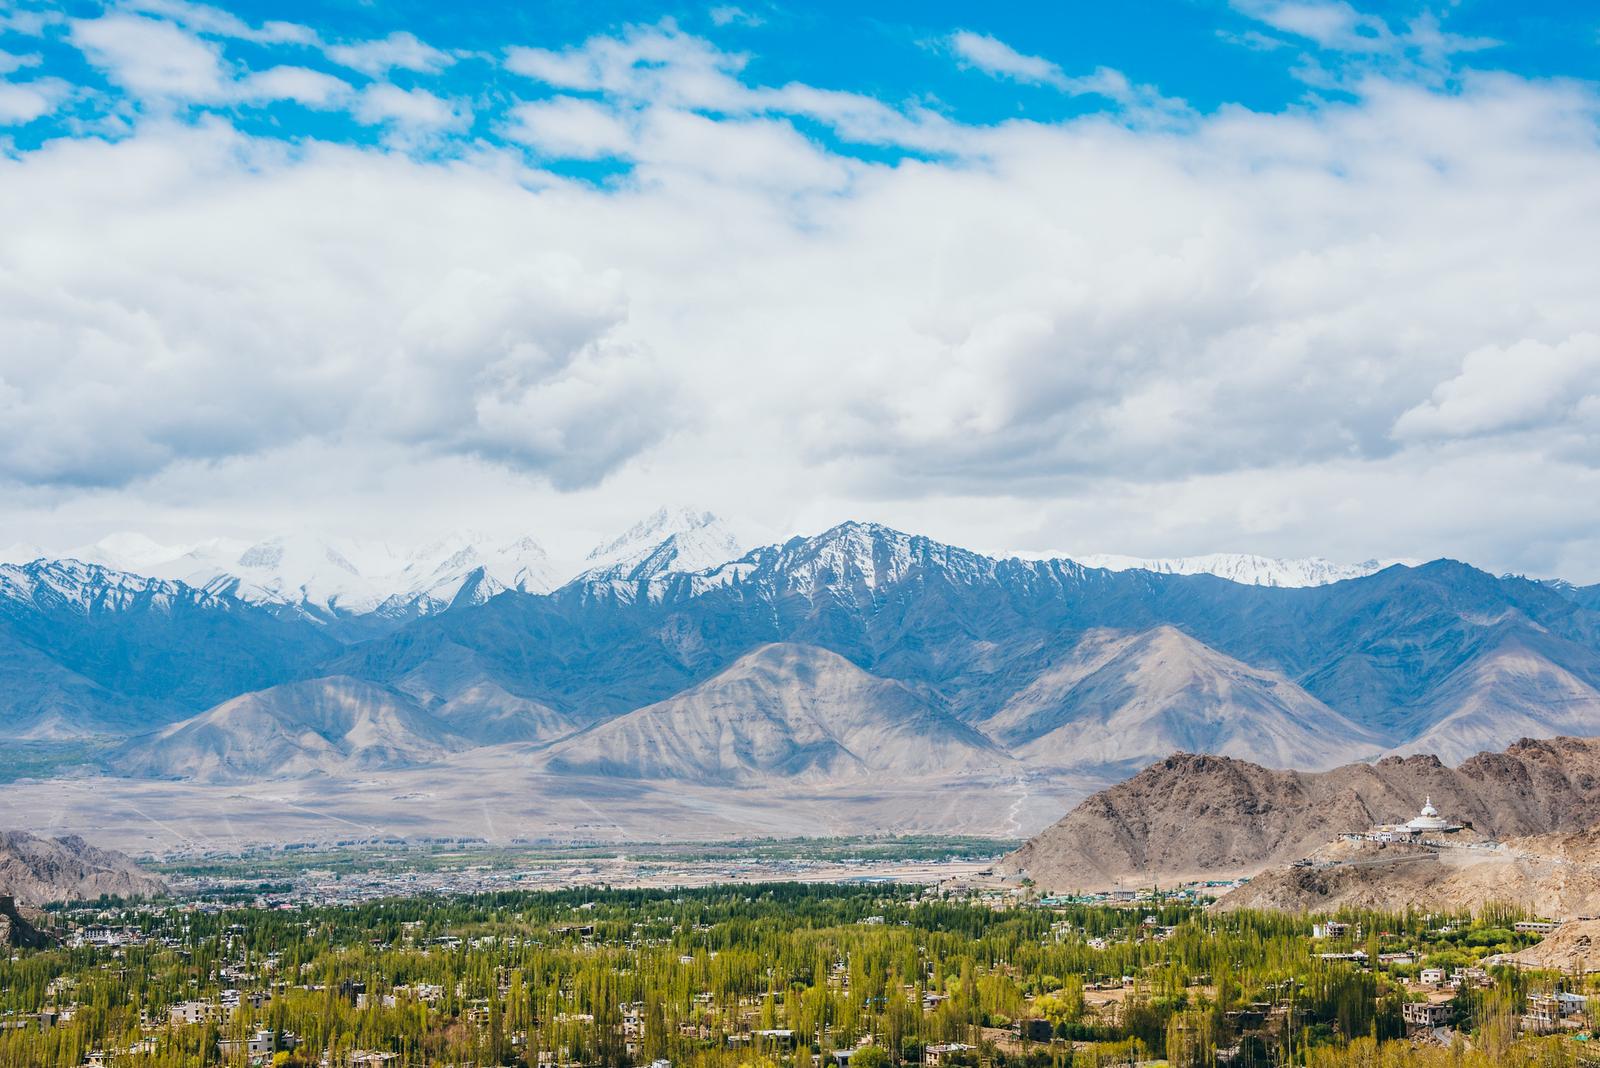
x=127 y=551
x=650 y=532
x=87 y=587
x=1245 y=568
x=672 y=539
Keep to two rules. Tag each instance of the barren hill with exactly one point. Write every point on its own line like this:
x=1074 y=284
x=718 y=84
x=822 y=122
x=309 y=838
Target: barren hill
x=1572 y=948
x=320 y=726
x=37 y=870
x=1119 y=697
x=787 y=710
x=1550 y=875
x=1194 y=817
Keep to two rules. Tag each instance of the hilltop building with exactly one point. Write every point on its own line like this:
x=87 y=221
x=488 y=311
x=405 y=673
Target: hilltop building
x=1425 y=825
x=1428 y=821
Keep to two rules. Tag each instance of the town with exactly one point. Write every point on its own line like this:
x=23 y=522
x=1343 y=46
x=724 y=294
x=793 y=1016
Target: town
x=786 y=974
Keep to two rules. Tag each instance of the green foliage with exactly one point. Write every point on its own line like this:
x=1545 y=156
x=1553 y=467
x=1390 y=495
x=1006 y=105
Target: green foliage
x=616 y=978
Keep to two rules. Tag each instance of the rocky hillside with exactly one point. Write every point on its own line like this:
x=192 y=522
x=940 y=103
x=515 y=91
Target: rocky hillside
x=789 y=711
x=1549 y=875
x=317 y=727
x=36 y=870
x=17 y=929
x=1118 y=697
x=1195 y=817
x=1572 y=949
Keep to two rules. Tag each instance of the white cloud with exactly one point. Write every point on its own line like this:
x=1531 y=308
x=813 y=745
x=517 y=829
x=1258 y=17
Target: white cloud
x=654 y=64
x=1143 y=103
x=161 y=63
x=1259 y=331
x=1528 y=385
x=730 y=15
x=11 y=63
x=993 y=56
x=214 y=21
x=662 y=67
x=400 y=50
x=569 y=127
x=1366 y=42
x=302 y=85
x=1328 y=23
x=410 y=109
x=216 y=312
x=152 y=58
x=22 y=102
x=29 y=23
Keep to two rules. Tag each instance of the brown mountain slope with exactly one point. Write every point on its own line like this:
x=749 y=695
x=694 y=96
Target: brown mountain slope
x=1195 y=817
x=1549 y=875
x=37 y=870
x=789 y=711
x=1572 y=948
x=17 y=929
x=326 y=726
x=1515 y=687
x=1121 y=697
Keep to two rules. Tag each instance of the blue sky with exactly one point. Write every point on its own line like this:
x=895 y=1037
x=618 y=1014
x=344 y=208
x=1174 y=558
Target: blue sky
x=1266 y=55
x=1298 y=277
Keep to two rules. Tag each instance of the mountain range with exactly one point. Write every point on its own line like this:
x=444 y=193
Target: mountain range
x=1194 y=817
x=861 y=654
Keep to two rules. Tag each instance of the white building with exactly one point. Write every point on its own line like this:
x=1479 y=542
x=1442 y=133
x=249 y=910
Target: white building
x=1428 y=821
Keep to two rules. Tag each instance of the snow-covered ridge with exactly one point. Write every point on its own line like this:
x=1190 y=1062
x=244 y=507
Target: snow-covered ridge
x=1243 y=568
x=671 y=540
x=327 y=577
x=86 y=587
x=674 y=552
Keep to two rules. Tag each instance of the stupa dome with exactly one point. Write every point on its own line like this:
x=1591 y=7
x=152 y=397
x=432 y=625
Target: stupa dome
x=1429 y=820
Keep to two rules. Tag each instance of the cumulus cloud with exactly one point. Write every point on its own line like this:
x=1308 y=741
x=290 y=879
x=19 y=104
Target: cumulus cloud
x=661 y=67
x=22 y=102
x=29 y=22
x=215 y=21
x=400 y=50
x=281 y=302
x=660 y=64
x=993 y=56
x=152 y=58
x=11 y=62
x=1527 y=385
x=570 y=127
x=1360 y=40
x=730 y=15
x=1066 y=327
x=410 y=113
x=1142 y=103
x=302 y=85
x=162 y=63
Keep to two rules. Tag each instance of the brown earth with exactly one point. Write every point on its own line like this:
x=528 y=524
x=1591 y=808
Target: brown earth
x=1548 y=875
x=37 y=870
x=1572 y=947
x=1191 y=818
x=17 y=929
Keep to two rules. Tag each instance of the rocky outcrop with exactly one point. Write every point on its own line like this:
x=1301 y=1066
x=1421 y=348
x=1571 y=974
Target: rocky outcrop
x=1547 y=875
x=15 y=928
x=1571 y=949
x=1206 y=817
x=36 y=870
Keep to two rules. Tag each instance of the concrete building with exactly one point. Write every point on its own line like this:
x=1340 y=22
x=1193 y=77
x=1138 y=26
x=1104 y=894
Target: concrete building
x=1425 y=1015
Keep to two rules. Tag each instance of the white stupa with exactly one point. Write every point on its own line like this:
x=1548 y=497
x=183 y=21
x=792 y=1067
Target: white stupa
x=1430 y=820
